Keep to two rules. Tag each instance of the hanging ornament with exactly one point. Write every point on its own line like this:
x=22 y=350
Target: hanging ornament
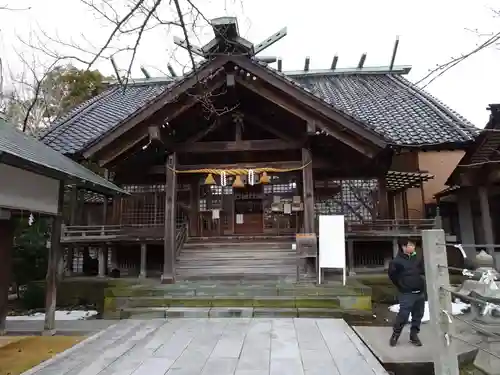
x=223 y=179
x=238 y=183
x=251 y=177
x=264 y=178
x=210 y=180
x=31 y=219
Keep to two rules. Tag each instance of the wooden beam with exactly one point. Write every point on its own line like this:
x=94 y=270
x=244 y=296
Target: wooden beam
x=168 y=97
x=342 y=136
x=55 y=253
x=310 y=100
x=168 y=276
x=225 y=146
x=271 y=129
x=202 y=133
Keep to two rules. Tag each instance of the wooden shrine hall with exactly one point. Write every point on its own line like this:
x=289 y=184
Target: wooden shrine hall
x=238 y=150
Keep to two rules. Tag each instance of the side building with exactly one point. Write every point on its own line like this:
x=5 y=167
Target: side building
x=239 y=151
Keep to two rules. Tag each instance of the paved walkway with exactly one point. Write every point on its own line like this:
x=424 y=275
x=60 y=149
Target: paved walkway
x=218 y=346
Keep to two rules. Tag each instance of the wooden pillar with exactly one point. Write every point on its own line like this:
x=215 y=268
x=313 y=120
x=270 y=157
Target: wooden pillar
x=101 y=260
x=7 y=228
x=143 y=265
x=350 y=257
x=54 y=258
x=168 y=276
x=383 y=208
x=194 y=205
x=486 y=219
x=308 y=191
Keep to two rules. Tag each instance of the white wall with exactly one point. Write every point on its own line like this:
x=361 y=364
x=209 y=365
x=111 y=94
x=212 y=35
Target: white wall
x=23 y=190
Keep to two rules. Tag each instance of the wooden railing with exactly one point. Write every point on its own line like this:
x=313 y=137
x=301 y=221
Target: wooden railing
x=110 y=233
x=387 y=227
x=180 y=237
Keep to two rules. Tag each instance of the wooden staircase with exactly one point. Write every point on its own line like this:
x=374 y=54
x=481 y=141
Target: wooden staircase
x=237 y=258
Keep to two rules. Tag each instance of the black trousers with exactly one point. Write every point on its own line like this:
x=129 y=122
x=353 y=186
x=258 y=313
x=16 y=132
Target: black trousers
x=410 y=303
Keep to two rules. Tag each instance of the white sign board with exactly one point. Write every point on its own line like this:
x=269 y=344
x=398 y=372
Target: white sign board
x=332 y=243
x=23 y=190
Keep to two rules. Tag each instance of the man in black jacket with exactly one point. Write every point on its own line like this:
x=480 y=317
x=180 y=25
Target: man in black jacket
x=405 y=272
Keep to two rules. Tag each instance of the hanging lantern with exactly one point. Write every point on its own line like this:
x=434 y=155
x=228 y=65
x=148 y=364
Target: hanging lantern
x=223 y=179
x=210 y=180
x=238 y=183
x=264 y=178
x=251 y=177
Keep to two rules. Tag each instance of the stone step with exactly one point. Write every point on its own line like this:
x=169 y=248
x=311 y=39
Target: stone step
x=223 y=256
x=237 y=245
x=239 y=312
x=236 y=262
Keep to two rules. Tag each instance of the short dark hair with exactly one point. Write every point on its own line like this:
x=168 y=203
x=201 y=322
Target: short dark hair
x=404 y=241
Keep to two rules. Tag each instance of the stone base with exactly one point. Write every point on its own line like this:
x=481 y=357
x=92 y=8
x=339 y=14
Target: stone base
x=49 y=332
x=486 y=362
x=167 y=279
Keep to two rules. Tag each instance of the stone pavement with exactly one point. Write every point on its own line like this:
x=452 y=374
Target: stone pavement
x=218 y=346
x=63 y=327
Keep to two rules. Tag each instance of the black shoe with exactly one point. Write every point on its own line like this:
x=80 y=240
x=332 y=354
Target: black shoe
x=414 y=339
x=394 y=339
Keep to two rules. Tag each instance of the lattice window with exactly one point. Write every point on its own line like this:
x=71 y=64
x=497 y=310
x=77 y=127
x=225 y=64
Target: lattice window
x=359 y=199
x=354 y=198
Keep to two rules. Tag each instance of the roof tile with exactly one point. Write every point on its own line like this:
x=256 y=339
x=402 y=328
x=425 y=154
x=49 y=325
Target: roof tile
x=385 y=103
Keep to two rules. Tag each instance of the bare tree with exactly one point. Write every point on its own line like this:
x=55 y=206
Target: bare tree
x=129 y=21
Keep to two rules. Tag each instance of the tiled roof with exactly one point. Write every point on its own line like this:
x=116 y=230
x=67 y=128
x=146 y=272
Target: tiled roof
x=385 y=103
x=391 y=106
x=19 y=149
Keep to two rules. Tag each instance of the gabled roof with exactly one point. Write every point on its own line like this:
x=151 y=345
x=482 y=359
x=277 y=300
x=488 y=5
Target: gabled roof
x=382 y=101
x=484 y=150
x=25 y=152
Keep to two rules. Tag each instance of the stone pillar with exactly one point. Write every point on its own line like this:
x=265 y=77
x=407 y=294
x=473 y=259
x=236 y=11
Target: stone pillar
x=6 y=240
x=486 y=219
x=101 y=258
x=143 y=265
x=168 y=276
x=466 y=222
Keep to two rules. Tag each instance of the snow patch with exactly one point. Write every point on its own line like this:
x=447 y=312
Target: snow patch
x=60 y=315
x=457 y=307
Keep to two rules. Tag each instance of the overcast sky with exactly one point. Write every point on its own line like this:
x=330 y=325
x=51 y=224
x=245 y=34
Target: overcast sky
x=431 y=32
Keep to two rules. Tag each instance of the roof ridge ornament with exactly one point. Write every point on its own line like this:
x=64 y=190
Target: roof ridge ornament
x=228 y=41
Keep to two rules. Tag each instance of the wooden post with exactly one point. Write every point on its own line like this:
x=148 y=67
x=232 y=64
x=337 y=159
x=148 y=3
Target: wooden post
x=486 y=219
x=54 y=258
x=143 y=265
x=383 y=199
x=7 y=228
x=101 y=261
x=350 y=256
x=72 y=221
x=308 y=191
x=168 y=276
x=437 y=278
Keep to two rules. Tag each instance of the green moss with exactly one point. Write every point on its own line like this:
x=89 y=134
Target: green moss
x=356 y=303
x=328 y=303
x=232 y=302
x=191 y=302
x=274 y=302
